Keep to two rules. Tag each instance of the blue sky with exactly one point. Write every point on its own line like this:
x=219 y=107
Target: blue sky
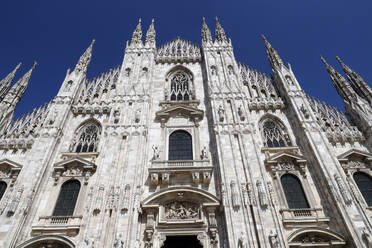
x=55 y=33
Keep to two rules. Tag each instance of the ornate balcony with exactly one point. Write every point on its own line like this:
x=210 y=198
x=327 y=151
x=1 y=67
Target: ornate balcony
x=304 y=216
x=199 y=170
x=68 y=225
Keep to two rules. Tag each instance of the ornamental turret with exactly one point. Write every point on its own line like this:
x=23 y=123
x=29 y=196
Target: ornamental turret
x=137 y=35
x=357 y=82
x=357 y=107
x=12 y=98
x=206 y=33
x=220 y=33
x=151 y=35
x=83 y=63
x=5 y=83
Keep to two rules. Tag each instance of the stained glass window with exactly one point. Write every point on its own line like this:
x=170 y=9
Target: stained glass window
x=364 y=183
x=3 y=187
x=180 y=146
x=274 y=135
x=67 y=198
x=88 y=138
x=294 y=193
x=180 y=87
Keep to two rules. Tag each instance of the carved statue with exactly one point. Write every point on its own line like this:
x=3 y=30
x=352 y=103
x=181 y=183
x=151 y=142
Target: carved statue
x=137 y=115
x=88 y=243
x=367 y=237
x=118 y=242
x=221 y=113
x=273 y=237
x=242 y=242
x=156 y=151
x=204 y=153
x=181 y=210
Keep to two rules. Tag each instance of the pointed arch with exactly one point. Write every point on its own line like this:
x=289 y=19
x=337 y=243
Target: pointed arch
x=45 y=240
x=180 y=145
x=274 y=133
x=67 y=198
x=294 y=192
x=180 y=84
x=364 y=183
x=87 y=137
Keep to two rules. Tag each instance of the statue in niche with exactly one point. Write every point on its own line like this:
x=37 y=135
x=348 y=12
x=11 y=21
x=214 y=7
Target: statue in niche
x=68 y=86
x=273 y=237
x=221 y=113
x=137 y=115
x=181 y=210
x=88 y=243
x=204 y=153
x=118 y=242
x=156 y=151
x=367 y=237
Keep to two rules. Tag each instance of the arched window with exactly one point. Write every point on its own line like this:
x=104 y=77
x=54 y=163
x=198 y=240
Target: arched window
x=180 y=146
x=294 y=193
x=364 y=183
x=67 y=198
x=3 y=187
x=274 y=134
x=180 y=87
x=87 y=138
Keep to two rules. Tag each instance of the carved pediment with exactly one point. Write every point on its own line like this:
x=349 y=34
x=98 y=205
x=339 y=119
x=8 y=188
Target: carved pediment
x=355 y=154
x=9 y=169
x=285 y=156
x=318 y=237
x=179 y=110
x=74 y=167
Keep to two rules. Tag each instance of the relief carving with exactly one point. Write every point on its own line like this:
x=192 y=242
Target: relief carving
x=181 y=210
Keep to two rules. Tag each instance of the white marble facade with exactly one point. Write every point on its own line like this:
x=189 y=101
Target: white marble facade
x=249 y=133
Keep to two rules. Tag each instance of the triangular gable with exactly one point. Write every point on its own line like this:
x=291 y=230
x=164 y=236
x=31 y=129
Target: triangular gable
x=191 y=112
x=282 y=155
x=13 y=165
x=84 y=163
x=365 y=156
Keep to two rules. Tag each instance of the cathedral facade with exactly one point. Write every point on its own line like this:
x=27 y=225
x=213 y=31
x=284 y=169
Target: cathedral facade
x=182 y=146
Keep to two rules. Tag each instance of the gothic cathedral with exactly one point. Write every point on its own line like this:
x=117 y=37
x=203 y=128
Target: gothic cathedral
x=182 y=146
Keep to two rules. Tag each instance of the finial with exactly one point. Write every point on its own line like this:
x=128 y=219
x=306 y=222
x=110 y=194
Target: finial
x=34 y=65
x=339 y=60
x=152 y=21
x=324 y=61
x=264 y=38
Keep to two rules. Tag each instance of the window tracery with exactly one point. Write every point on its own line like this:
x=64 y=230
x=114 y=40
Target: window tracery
x=67 y=198
x=274 y=134
x=87 y=139
x=180 y=87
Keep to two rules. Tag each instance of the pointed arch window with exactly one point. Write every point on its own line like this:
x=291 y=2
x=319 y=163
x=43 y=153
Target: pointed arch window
x=274 y=134
x=67 y=198
x=180 y=146
x=87 y=138
x=364 y=183
x=293 y=191
x=3 y=187
x=180 y=87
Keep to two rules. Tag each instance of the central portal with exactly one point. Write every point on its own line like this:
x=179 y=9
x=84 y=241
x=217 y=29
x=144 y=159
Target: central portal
x=189 y=241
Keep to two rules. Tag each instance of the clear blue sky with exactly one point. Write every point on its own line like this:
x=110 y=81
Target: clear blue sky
x=55 y=33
